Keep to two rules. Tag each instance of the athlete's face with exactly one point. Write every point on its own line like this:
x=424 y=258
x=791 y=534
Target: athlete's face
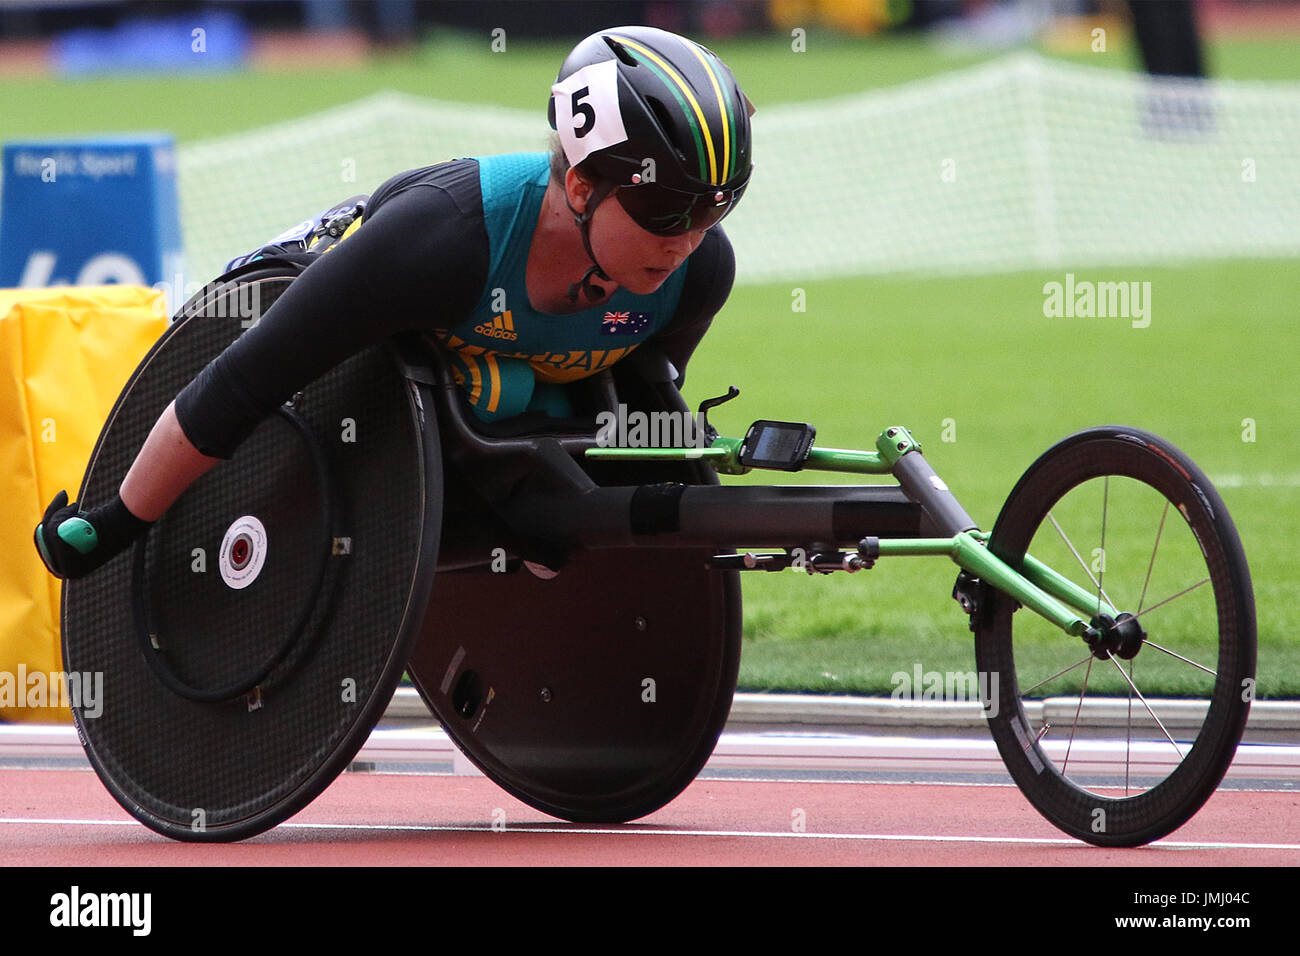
x=635 y=258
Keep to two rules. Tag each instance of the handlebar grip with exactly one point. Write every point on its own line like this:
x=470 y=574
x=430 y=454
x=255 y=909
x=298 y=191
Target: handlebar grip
x=79 y=534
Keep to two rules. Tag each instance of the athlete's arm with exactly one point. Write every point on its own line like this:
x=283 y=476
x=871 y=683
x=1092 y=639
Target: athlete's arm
x=710 y=272
x=419 y=261
x=164 y=468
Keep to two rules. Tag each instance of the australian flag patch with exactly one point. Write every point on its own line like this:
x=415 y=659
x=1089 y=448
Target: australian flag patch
x=625 y=323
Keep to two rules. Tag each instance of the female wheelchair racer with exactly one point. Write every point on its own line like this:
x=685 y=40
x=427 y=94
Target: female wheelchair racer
x=516 y=264
x=546 y=685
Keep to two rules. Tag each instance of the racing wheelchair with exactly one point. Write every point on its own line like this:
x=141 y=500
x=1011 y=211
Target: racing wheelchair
x=571 y=611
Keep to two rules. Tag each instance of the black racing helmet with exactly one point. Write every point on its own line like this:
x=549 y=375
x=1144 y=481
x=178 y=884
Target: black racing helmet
x=660 y=120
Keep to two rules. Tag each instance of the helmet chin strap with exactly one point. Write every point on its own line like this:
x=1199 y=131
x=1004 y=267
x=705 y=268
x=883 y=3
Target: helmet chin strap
x=583 y=222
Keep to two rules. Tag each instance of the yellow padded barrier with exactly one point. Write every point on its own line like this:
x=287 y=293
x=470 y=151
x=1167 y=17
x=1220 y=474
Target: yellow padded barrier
x=64 y=356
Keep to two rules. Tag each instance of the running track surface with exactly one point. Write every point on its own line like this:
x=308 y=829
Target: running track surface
x=67 y=818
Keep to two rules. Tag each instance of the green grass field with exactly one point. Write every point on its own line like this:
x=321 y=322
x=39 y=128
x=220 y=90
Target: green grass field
x=976 y=360
x=969 y=359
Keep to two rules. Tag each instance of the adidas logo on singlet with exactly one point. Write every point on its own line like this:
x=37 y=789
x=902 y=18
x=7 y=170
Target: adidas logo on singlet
x=501 y=327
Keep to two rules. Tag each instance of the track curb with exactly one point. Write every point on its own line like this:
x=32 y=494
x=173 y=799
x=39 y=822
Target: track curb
x=851 y=713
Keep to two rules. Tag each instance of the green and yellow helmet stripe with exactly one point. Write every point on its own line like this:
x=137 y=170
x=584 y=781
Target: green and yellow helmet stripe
x=675 y=83
x=728 y=116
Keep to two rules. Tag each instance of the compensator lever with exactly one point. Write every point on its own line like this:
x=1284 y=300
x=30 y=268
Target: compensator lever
x=710 y=433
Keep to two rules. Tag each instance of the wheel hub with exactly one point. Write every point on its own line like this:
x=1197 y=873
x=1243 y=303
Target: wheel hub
x=1120 y=636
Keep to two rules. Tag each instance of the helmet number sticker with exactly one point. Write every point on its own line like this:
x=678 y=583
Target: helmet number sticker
x=587 y=116
x=587 y=113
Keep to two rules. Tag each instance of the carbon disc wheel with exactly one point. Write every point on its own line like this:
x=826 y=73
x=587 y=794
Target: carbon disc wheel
x=251 y=640
x=1119 y=742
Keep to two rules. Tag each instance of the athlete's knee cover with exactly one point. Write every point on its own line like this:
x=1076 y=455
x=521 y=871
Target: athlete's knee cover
x=315 y=235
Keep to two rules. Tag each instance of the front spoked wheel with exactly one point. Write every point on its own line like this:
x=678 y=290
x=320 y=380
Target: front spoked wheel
x=1119 y=741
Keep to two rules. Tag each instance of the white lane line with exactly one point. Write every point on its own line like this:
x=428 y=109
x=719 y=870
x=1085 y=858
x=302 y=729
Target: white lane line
x=865 y=779
x=633 y=830
x=771 y=753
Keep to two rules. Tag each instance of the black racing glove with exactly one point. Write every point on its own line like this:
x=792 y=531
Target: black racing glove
x=72 y=543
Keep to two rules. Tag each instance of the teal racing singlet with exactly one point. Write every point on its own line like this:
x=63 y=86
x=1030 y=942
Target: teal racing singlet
x=510 y=357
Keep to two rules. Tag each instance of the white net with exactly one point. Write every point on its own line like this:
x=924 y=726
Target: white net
x=1019 y=163
x=239 y=191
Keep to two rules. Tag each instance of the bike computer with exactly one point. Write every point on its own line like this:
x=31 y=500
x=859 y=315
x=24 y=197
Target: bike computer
x=780 y=445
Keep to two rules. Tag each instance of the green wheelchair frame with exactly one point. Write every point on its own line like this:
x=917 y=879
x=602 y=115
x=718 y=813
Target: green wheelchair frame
x=1133 y=767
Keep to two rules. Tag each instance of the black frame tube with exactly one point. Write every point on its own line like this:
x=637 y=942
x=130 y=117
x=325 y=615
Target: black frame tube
x=920 y=483
x=719 y=516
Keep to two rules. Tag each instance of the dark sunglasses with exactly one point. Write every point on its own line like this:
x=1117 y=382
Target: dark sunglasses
x=666 y=211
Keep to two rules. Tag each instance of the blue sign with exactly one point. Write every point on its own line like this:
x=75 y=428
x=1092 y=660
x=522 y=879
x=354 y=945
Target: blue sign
x=90 y=212
x=200 y=40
